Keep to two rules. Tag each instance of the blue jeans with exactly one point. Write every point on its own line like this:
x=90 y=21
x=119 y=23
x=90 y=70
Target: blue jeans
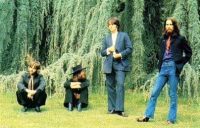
x=167 y=74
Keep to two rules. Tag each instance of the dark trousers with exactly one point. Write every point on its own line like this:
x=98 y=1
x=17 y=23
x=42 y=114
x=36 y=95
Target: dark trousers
x=70 y=98
x=115 y=88
x=39 y=99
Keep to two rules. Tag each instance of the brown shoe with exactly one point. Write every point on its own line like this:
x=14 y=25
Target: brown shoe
x=144 y=119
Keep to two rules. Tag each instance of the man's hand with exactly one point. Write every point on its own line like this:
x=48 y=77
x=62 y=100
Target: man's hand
x=111 y=49
x=30 y=93
x=28 y=90
x=30 y=96
x=117 y=56
x=75 y=85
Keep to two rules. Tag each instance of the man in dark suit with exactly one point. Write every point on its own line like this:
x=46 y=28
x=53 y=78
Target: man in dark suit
x=175 y=52
x=31 y=88
x=116 y=48
x=76 y=89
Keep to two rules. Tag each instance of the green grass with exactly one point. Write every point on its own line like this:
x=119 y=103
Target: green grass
x=54 y=115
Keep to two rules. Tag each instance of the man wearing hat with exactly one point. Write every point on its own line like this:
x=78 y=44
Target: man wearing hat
x=76 y=89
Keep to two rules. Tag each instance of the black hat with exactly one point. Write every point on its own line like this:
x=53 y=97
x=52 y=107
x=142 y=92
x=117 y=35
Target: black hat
x=76 y=69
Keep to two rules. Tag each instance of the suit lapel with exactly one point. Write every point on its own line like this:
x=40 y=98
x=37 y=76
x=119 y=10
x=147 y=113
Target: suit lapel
x=117 y=40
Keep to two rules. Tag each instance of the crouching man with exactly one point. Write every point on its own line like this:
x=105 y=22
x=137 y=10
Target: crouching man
x=31 y=88
x=76 y=89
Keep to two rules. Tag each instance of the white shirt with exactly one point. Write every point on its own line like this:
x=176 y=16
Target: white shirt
x=114 y=39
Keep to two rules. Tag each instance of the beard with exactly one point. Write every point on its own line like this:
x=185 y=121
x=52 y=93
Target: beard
x=169 y=31
x=82 y=77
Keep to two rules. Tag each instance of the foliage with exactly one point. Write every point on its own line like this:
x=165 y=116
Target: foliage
x=137 y=74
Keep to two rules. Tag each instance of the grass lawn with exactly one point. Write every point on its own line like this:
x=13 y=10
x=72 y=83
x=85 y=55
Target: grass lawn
x=54 y=115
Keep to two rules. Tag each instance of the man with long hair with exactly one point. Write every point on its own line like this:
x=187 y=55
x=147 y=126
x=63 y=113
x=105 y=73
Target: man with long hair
x=175 y=52
x=31 y=88
x=76 y=89
x=116 y=47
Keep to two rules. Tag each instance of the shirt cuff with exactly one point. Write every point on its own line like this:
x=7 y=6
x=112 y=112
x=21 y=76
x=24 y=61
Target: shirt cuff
x=120 y=55
x=108 y=53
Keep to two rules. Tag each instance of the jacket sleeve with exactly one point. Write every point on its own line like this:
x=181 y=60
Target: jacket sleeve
x=67 y=84
x=42 y=83
x=85 y=84
x=187 y=50
x=20 y=84
x=128 y=47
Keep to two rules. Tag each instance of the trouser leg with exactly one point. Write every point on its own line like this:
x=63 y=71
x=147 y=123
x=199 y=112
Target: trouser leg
x=110 y=81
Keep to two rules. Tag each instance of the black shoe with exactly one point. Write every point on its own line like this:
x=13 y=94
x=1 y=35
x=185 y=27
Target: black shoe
x=144 y=119
x=112 y=112
x=70 y=107
x=170 y=122
x=79 y=107
x=122 y=114
x=24 y=109
x=37 y=109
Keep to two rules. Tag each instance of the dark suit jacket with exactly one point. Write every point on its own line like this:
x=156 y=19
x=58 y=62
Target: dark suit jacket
x=39 y=82
x=83 y=91
x=124 y=46
x=181 y=51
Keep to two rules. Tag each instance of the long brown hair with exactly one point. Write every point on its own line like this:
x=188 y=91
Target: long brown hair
x=114 y=20
x=175 y=24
